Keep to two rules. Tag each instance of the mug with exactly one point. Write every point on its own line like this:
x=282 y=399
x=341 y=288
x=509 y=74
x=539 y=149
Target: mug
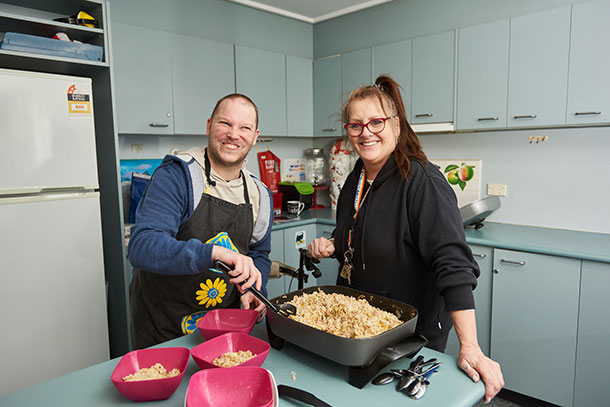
x=295 y=207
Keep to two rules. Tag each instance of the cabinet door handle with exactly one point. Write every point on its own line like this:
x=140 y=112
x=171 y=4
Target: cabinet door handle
x=158 y=125
x=496 y=271
x=526 y=116
x=586 y=113
x=424 y=115
x=482 y=119
x=480 y=256
x=326 y=233
x=518 y=263
x=329 y=129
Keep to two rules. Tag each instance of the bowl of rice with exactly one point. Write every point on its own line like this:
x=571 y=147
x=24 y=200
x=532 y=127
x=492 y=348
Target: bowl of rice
x=150 y=374
x=229 y=350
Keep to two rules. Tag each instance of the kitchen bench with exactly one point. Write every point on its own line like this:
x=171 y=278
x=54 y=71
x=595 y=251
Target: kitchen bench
x=326 y=379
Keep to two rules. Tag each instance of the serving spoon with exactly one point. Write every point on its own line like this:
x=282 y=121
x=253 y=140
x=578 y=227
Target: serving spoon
x=283 y=309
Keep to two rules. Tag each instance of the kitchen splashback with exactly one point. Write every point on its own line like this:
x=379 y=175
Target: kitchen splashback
x=464 y=176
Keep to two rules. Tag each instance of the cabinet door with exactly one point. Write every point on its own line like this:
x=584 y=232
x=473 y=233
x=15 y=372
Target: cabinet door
x=482 y=300
x=142 y=76
x=355 y=71
x=589 y=83
x=277 y=286
x=592 y=357
x=197 y=83
x=299 y=96
x=395 y=60
x=433 y=78
x=294 y=238
x=328 y=267
x=538 y=72
x=261 y=75
x=535 y=314
x=482 y=76
x=327 y=97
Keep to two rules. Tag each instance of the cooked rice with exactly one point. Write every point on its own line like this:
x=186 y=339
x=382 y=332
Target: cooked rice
x=150 y=373
x=230 y=359
x=342 y=315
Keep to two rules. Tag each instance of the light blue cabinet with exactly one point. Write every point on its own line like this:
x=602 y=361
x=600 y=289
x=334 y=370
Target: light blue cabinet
x=355 y=70
x=534 y=323
x=539 y=45
x=592 y=357
x=299 y=96
x=261 y=75
x=276 y=286
x=589 y=82
x=197 y=84
x=482 y=300
x=142 y=80
x=327 y=97
x=482 y=76
x=395 y=60
x=433 y=78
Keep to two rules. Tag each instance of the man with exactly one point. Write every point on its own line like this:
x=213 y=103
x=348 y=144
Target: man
x=201 y=206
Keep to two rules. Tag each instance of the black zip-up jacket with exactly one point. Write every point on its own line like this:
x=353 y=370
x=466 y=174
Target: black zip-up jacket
x=409 y=245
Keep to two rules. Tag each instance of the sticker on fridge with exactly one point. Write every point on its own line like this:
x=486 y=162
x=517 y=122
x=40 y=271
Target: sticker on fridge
x=79 y=102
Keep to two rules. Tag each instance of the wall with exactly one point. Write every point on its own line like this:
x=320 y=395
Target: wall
x=561 y=183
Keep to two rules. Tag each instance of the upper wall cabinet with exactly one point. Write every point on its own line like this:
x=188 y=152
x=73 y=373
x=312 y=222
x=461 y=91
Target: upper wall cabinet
x=327 y=97
x=299 y=96
x=482 y=75
x=355 y=70
x=395 y=60
x=142 y=80
x=589 y=82
x=261 y=75
x=539 y=68
x=198 y=84
x=433 y=78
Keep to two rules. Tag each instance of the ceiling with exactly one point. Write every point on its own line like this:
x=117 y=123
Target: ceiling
x=311 y=11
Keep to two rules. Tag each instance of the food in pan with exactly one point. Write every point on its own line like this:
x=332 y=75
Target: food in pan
x=230 y=359
x=157 y=371
x=342 y=315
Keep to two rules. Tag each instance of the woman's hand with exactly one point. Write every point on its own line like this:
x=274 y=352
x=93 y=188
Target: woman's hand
x=249 y=301
x=476 y=365
x=244 y=269
x=321 y=248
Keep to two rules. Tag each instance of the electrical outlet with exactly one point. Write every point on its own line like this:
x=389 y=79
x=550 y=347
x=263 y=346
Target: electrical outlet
x=496 y=189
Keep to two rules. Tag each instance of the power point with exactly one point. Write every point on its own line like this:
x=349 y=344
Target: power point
x=496 y=189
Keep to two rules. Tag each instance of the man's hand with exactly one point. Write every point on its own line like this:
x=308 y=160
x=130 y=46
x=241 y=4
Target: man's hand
x=244 y=269
x=249 y=301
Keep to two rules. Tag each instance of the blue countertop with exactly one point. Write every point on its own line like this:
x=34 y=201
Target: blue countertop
x=327 y=380
x=554 y=242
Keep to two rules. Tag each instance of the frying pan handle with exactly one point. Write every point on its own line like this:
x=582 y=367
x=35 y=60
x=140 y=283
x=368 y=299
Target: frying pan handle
x=300 y=395
x=224 y=267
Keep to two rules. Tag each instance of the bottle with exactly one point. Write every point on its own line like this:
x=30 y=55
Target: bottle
x=315 y=167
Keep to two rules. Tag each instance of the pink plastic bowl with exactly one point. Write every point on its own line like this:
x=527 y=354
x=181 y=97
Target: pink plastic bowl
x=149 y=390
x=223 y=320
x=246 y=386
x=205 y=353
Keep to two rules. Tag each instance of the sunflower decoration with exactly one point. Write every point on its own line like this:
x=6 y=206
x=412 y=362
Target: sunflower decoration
x=211 y=293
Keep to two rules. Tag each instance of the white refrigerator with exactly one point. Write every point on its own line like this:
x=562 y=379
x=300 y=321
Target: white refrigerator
x=53 y=317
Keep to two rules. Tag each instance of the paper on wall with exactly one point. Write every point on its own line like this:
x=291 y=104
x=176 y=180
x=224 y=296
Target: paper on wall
x=293 y=169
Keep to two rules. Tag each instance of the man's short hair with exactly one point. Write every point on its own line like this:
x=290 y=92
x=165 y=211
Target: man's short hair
x=236 y=96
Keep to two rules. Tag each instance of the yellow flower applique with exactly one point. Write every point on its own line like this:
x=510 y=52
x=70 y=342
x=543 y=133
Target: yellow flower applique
x=211 y=293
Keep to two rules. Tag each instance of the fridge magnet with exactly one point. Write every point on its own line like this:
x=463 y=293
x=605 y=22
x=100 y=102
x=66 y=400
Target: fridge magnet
x=78 y=102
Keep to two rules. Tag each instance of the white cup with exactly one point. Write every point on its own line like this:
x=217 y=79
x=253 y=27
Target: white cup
x=295 y=207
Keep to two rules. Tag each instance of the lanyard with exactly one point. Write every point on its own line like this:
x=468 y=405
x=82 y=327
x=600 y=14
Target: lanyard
x=358 y=201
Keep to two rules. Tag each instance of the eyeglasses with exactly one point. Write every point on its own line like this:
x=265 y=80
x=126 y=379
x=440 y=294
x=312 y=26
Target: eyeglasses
x=375 y=126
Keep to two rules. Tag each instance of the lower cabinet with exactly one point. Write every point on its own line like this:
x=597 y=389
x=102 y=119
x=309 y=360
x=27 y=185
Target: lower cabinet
x=294 y=238
x=535 y=301
x=592 y=357
x=482 y=300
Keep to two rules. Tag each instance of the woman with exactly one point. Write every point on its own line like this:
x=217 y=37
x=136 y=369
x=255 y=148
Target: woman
x=399 y=232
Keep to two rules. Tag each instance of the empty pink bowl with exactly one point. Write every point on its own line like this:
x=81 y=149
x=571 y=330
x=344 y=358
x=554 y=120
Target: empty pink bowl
x=223 y=320
x=246 y=386
x=149 y=390
x=205 y=353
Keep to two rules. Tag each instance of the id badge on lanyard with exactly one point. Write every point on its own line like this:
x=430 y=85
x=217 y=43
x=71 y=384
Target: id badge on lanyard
x=348 y=264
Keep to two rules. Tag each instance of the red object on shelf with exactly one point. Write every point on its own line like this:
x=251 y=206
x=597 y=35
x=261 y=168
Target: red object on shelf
x=315 y=204
x=269 y=166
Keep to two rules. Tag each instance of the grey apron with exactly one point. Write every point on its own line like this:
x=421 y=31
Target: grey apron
x=164 y=307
